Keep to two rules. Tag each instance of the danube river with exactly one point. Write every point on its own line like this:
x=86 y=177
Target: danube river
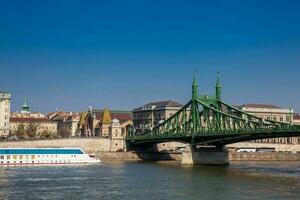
x=156 y=181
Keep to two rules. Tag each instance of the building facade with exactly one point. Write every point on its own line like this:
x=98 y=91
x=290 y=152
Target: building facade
x=96 y=123
x=149 y=115
x=26 y=113
x=117 y=137
x=25 y=124
x=66 y=122
x=275 y=113
x=296 y=119
x=4 y=114
x=33 y=127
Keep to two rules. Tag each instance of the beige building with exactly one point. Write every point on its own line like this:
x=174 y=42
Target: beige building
x=117 y=137
x=25 y=124
x=96 y=123
x=66 y=122
x=33 y=127
x=26 y=113
x=274 y=113
x=4 y=114
x=270 y=112
x=296 y=119
x=149 y=115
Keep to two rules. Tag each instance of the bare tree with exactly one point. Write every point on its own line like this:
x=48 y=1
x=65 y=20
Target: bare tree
x=46 y=134
x=31 y=130
x=20 y=132
x=64 y=132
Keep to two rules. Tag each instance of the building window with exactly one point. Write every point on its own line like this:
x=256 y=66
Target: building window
x=281 y=119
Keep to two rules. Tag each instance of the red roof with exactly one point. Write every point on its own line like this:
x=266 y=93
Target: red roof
x=120 y=115
x=29 y=120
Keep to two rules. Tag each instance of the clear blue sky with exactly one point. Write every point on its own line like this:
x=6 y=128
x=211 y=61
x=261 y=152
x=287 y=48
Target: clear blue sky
x=122 y=54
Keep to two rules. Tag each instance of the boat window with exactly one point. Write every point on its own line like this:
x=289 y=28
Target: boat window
x=41 y=151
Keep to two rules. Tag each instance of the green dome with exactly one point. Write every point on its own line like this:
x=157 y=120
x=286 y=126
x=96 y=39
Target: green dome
x=25 y=106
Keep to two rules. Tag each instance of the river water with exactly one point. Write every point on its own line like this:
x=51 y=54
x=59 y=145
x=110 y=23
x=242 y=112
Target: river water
x=146 y=180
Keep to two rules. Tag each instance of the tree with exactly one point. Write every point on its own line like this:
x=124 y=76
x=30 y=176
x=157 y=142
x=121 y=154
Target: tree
x=46 y=134
x=21 y=131
x=31 y=130
x=64 y=132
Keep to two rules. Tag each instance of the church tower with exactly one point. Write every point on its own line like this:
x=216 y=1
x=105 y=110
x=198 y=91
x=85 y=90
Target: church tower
x=25 y=108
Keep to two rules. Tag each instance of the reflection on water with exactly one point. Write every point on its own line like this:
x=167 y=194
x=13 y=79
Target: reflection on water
x=269 y=180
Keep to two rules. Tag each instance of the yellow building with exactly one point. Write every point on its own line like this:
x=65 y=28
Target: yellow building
x=32 y=127
x=66 y=122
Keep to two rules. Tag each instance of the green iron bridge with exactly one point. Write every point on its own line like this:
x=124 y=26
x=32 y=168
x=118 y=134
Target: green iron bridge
x=208 y=120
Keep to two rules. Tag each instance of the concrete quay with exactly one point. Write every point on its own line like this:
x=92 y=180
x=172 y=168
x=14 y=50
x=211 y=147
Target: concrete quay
x=101 y=148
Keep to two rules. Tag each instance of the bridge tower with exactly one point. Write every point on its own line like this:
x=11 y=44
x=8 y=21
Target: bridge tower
x=194 y=108
x=218 y=87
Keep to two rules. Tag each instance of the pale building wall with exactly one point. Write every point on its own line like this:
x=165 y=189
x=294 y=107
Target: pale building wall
x=4 y=114
x=116 y=136
x=148 y=118
x=28 y=115
x=51 y=127
x=275 y=114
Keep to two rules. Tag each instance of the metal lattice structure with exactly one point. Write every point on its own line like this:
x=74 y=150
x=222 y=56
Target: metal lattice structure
x=207 y=120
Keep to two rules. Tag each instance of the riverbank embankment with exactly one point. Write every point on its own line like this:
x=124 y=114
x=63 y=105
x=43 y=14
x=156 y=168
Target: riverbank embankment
x=101 y=147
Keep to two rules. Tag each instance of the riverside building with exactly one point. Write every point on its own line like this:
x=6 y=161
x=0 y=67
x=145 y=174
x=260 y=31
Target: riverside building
x=4 y=114
x=150 y=114
x=25 y=124
x=296 y=119
x=97 y=123
x=66 y=122
x=275 y=113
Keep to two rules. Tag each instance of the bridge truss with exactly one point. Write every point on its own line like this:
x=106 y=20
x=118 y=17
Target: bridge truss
x=207 y=120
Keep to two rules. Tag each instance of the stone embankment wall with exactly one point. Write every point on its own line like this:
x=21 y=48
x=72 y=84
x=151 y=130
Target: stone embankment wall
x=134 y=156
x=270 y=156
x=101 y=147
x=89 y=145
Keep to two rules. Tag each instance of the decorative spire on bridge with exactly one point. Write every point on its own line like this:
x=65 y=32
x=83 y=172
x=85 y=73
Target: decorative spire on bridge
x=218 y=87
x=195 y=86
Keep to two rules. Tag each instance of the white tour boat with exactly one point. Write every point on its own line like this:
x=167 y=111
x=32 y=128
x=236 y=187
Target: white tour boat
x=30 y=156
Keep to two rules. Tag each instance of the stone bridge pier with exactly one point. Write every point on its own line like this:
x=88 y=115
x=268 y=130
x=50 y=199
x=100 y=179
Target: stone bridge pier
x=204 y=156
